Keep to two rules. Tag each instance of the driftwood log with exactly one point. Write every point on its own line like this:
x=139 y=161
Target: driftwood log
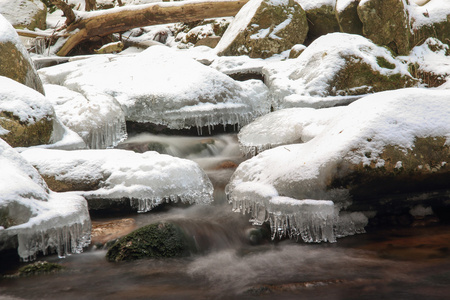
x=92 y=25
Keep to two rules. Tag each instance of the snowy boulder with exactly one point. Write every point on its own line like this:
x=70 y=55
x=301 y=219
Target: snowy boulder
x=118 y=178
x=431 y=19
x=34 y=219
x=347 y=16
x=333 y=70
x=14 y=59
x=284 y=127
x=33 y=13
x=386 y=22
x=160 y=86
x=430 y=62
x=384 y=153
x=263 y=28
x=97 y=118
x=26 y=117
x=321 y=15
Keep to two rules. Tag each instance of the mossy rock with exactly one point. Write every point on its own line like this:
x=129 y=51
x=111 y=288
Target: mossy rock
x=440 y=30
x=386 y=23
x=358 y=78
x=39 y=267
x=348 y=19
x=271 y=30
x=15 y=65
x=25 y=134
x=158 y=240
x=420 y=170
x=321 y=21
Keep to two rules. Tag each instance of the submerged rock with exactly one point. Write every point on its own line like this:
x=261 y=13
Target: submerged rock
x=159 y=240
x=39 y=267
x=14 y=59
x=263 y=28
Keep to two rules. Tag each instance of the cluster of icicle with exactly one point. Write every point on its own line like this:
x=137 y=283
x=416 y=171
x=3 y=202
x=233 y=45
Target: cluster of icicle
x=63 y=240
x=312 y=221
x=107 y=136
x=147 y=204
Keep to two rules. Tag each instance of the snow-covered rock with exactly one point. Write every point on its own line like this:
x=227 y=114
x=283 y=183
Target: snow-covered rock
x=162 y=87
x=27 y=118
x=14 y=59
x=430 y=62
x=111 y=176
x=34 y=219
x=97 y=118
x=381 y=153
x=321 y=15
x=347 y=16
x=263 y=28
x=335 y=69
x=33 y=13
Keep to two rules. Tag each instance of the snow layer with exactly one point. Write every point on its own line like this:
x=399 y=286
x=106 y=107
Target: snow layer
x=149 y=179
x=307 y=80
x=161 y=86
x=28 y=9
x=42 y=220
x=286 y=126
x=313 y=4
x=98 y=119
x=435 y=11
x=301 y=171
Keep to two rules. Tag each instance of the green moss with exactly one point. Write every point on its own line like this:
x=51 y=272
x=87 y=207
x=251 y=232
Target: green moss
x=39 y=267
x=382 y=62
x=159 y=240
x=359 y=78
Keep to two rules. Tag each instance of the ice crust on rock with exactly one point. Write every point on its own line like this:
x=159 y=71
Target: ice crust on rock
x=148 y=179
x=33 y=218
x=286 y=126
x=301 y=171
x=161 y=86
x=97 y=118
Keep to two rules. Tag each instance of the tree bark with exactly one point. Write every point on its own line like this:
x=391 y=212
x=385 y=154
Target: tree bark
x=67 y=11
x=96 y=24
x=90 y=5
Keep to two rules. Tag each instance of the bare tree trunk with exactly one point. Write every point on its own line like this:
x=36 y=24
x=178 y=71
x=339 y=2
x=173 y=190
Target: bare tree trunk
x=90 y=5
x=66 y=9
x=126 y=18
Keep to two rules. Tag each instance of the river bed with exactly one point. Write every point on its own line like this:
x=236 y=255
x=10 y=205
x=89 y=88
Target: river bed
x=401 y=263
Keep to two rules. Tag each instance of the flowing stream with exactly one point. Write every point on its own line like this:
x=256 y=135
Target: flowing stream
x=236 y=263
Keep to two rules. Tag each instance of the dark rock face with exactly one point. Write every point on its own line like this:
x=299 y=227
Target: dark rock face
x=386 y=23
x=272 y=30
x=159 y=240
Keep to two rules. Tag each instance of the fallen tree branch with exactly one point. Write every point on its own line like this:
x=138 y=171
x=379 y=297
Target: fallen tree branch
x=96 y=24
x=67 y=11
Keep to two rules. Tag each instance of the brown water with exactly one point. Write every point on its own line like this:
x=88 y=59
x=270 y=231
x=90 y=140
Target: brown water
x=399 y=263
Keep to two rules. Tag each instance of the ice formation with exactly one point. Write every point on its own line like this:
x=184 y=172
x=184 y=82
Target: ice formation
x=34 y=219
x=307 y=80
x=161 y=86
x=286 y=126
x=97 y=118
x=302 y=171
x=147 y=179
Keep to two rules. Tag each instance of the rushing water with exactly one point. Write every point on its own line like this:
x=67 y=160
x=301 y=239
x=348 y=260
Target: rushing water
x=400 y=263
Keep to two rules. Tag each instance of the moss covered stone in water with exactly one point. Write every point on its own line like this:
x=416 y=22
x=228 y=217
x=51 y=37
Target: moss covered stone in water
x=39 y=267
x=157 y=240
